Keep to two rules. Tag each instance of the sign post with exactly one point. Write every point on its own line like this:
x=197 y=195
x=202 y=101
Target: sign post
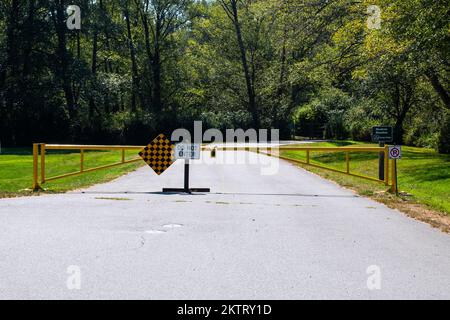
x=160 y=154
x=395 y=177
x=395 y=152
x=382 y=134
x=186 y=151
x=381 y=162
x=186 y=175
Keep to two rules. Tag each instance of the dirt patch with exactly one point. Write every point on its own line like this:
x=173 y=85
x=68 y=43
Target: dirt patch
x=24 y=193
x=412 y=209
x=418 y=211
x=403 y=203
x=116 y=199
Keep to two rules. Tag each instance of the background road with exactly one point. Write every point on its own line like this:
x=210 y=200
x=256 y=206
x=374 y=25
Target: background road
x=291 y=235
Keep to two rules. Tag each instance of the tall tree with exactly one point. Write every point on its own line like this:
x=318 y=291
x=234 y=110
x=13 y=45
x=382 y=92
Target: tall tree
x=58 y=11
x=232 y=11
x=160 y=20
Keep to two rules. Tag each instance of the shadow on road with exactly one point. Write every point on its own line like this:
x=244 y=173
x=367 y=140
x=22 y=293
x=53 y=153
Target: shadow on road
x=219 y=193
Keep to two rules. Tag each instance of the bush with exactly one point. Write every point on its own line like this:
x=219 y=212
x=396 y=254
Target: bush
x=326 y=111
x=335 y=128
x=444 y=135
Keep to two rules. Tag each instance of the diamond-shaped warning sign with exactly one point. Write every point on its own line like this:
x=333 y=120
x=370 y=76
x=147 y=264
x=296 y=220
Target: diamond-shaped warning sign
x=158 y=154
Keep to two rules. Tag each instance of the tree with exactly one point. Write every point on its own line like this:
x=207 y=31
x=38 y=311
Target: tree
x=232 y=11
x=141 y=67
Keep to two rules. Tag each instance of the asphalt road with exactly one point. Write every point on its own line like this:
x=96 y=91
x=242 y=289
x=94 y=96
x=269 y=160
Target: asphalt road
x=291 y=235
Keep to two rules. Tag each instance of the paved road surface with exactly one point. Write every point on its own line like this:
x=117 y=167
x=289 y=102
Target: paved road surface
x=291 y=235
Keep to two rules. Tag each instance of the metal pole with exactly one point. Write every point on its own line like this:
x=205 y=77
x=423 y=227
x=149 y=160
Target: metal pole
x=81 y=160
x=42 y=162
x=393 y=175
x=396 y=180
x=381 y=163
x=186 y=176
x=36 y=186
x=347 y=161
x=386 y=165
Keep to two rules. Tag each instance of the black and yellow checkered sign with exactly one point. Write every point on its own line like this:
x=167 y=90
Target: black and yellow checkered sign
x=158 y=154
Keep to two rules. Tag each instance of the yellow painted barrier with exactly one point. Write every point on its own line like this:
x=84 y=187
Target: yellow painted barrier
x=310 y=150
x=40 y=149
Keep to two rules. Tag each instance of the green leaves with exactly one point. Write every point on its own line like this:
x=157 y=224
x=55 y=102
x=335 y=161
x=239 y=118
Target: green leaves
x=315 y=63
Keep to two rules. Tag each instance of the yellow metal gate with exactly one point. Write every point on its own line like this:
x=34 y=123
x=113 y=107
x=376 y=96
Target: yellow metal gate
x=39 y=153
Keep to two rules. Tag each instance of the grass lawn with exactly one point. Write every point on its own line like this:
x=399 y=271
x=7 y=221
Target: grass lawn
x=16 y=169
x=422 y=173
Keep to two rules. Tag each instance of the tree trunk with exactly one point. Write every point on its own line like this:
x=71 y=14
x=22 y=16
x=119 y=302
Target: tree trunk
x=156 y=72
x=92 y=106
x=283 y=65
x=28 y=45
x=248 y=78
x=133 y=59
x=399 y=131
x=439 y=88
x=63 y=57
x=403 y=102
x=78 y=45
x=12 y=49
x=148 y=48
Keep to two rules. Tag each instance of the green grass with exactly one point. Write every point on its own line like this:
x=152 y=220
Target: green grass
x=422 y=173
x=16 y=169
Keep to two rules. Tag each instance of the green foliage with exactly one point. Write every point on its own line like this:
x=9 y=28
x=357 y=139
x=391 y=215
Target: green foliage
x=444 y=135
x=327 y=110
x=307 y=67
x=359 y=121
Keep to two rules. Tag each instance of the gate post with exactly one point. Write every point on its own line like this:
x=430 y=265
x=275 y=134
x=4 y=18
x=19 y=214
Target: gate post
x=393 y=169
x=386 y=165
x=42 y=162
x=186 y=176
x=36 y=186
x=381 y=162
x=81 y=160
x=347 y=161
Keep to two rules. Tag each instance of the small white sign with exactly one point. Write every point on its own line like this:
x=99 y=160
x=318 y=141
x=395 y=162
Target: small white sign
x=395 y=152
x=187 y=151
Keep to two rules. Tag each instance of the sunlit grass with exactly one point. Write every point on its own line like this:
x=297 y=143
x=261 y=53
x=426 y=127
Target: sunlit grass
x=16 y=169
x=423 y=173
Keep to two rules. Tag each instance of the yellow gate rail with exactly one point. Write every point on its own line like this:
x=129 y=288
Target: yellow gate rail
x=41 y=148
x=310 y=150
